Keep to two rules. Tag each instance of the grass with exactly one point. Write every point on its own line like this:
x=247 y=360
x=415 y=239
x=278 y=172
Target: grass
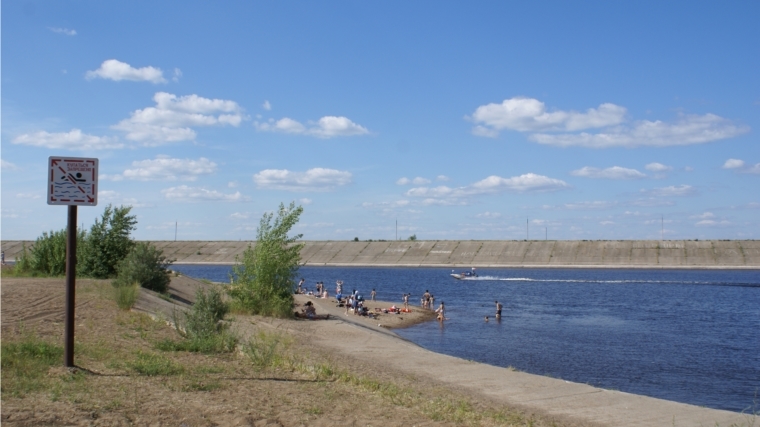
x=25 y=365
x=223 y=342
x=125 y=296
x=152 y=365
x=268 y=350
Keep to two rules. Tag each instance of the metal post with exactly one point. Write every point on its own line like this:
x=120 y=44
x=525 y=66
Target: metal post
x=71 y=272
x=527 y=230
x=175 y=231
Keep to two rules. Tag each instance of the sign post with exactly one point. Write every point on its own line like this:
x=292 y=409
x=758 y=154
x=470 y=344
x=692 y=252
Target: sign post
x=72 y=182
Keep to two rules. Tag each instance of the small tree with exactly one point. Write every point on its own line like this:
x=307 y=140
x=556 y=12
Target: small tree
x=413 y=237
x=107 y=243
x=48 y=255
x=145 y=265
x=264 y=280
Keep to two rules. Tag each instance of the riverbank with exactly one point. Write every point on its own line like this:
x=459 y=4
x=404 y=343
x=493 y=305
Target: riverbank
x=669 y=254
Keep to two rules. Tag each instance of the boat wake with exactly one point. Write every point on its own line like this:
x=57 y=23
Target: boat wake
x=665 y=282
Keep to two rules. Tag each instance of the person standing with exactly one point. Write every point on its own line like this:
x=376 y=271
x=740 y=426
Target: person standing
x=373 y=294
x=406 y=301
x=300 y=286
x=498 y=310
x=426 y=298
x=2 y=257
x=441 y=312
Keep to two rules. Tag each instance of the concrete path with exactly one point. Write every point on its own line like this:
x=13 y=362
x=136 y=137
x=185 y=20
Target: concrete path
x=564 y=399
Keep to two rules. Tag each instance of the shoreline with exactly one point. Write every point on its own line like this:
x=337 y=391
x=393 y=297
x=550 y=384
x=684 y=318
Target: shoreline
x=583 y=403
x=512 y=266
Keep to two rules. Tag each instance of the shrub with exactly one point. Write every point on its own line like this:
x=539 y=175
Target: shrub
x=202 y=326
x=108 y=243
x=145 y=265
x=264 y=281
x=125 y=296
x=267 y=350
x=48 y=255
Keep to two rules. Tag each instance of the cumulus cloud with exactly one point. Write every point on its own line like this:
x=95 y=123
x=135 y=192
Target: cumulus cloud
x=240 y=215
x=173 y=118
x=113 y=69
x=64 y=31
x=177 y=74
x=687 y=130
x=266 y=105
x=305 y=201
x=531 y=115
x=403 y=181
x=420 y=181
x=657 y=167
x=706 y=215
x=442 y=178
x=326 y=127
x=164 y=168
x=733 y=164
x=114 y=197
x=713 y=223
x=562 y=128
x=72 y=140
x=315 y=179
x=183 y=193
x=671 y=191
x=444 y=195
x=615 y=172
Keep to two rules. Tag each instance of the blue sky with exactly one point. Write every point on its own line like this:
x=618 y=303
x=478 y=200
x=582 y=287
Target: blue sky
x=588 y=120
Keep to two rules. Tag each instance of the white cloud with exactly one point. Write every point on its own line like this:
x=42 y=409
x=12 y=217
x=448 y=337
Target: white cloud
x=615 y=172
x=113 y=197
x=326 y=127
x=607 y=223
x=177 y=74
x=232 y=184
x=240 y=215
x=183 y=193
x=315 y=179
x=65 y=31
x=671 y=191
x=591 y=205
x=741 y=167
x=488 y=215
x=688 y=130
x=72 y=140
x=706 y=215
x=442 y=178
x=8 y=166
x=172 y=118
x=403 y=181
x=733 y=164
x=443 y=195
x=164 y=168
x=305 y=201
x=530 y=115
x=657 y=167
x=116 y=70
x=266 y=105
x=420 y=181
x=712 y=223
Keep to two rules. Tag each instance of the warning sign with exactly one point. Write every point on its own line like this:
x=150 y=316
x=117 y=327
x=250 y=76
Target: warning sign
x=72 y=181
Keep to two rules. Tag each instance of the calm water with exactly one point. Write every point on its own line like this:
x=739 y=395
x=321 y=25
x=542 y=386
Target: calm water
x=691 y=336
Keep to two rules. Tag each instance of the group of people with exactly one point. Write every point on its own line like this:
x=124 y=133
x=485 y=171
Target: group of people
x=320 y=291
x=427 y=300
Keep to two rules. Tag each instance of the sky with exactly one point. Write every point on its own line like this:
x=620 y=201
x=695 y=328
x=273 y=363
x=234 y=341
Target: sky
x=443 y=120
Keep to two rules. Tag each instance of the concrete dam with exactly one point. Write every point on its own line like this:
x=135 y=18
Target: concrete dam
x=738 y=254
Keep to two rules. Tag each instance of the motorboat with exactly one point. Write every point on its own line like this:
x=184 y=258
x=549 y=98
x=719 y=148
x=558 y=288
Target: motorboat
x=464 y=275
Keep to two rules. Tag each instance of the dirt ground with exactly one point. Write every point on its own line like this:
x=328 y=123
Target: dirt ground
x=210 y=390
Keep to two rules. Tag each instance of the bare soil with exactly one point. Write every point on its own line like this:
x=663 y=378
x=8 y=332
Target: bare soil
x=226 y=389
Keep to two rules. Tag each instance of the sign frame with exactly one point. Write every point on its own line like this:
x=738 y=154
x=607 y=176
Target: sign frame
x=72 y=181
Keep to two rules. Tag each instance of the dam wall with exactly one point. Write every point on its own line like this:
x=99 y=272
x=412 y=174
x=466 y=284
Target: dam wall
x=739 y=254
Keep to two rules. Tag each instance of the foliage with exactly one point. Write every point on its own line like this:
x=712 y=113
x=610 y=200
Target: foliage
x=413 y=237
x=264 y=281
x=145 y=265
x=267 y=350
x=48 y=255
x=25 y=364
x=151 y=364
x=126 y=295
x=108 y=242
x=202 y=327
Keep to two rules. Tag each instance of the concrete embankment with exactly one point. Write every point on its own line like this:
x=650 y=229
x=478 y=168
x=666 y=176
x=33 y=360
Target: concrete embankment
x=739 y=254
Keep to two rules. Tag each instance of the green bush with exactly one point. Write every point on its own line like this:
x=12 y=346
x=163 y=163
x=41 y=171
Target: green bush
x=267 y=350
x=107 y=243
x=264 y=281
x=125 y=296
x=48 y=255
x=202 y=326
x=145 y=265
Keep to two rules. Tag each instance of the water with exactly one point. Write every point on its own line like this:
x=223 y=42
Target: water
x=691 y=336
